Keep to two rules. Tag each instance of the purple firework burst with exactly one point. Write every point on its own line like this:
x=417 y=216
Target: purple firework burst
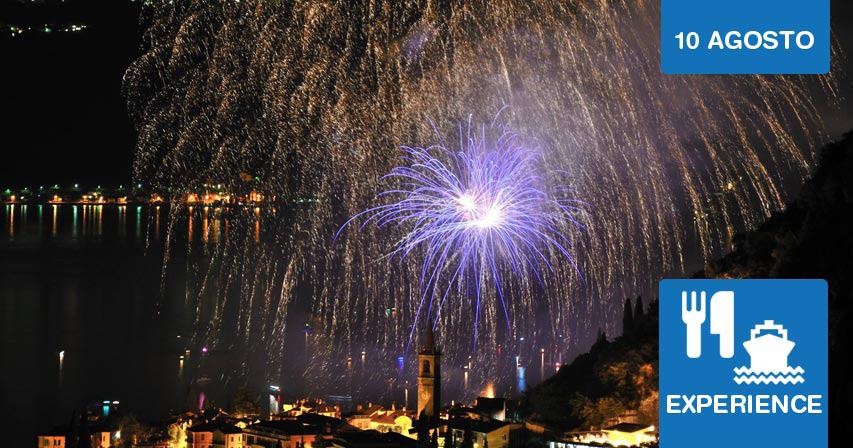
x=475 y=214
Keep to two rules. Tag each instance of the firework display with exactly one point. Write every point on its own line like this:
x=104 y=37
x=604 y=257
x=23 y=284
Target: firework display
x=476 y=211
x=310 y=103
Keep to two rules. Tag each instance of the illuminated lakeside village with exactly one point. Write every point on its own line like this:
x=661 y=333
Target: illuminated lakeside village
x=266 y=420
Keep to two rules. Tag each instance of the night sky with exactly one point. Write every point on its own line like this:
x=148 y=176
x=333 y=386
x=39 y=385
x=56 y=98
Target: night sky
x=64 y=119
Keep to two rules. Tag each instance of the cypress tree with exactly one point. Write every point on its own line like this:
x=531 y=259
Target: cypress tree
x=639 y=313
x=627 y=318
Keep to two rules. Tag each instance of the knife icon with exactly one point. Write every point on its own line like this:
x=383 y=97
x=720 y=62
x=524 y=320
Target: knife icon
x=723 y=321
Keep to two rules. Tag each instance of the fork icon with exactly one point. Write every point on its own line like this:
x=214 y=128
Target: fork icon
x=693 y=317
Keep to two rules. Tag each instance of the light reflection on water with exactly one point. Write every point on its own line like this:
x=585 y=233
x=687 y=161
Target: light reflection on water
x=69 y=222
x=11 y=212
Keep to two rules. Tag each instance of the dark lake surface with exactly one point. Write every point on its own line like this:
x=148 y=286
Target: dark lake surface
x=82 y=315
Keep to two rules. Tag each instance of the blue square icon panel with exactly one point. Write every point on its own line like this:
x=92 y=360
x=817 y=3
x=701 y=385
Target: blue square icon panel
x=743 y=363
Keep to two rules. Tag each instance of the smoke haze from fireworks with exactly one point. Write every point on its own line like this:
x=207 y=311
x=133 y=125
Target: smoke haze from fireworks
x=315 y=97
x=475 y=213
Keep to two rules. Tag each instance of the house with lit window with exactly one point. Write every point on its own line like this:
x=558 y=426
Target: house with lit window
x=282 y=434
x=364 y=415
x=102 y=435
x=55 y=439
x=100 y=439
x=499 y=434
x=399 y=422
x=215 y=434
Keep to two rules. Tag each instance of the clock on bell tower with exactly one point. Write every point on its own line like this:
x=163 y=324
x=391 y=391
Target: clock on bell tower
x=429 y=376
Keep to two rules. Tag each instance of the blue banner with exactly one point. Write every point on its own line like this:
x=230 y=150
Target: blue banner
x=745 y=36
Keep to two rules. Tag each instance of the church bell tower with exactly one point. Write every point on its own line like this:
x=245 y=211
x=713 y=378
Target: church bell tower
x=429 y=376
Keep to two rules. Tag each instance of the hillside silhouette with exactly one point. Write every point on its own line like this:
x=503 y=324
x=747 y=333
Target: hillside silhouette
x=811 y=238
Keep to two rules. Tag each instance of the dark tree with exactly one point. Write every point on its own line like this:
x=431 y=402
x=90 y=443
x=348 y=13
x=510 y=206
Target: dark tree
x=244 y=403
x=131 y=429
x=639 y=313
x=627 y=318
x=600 y=341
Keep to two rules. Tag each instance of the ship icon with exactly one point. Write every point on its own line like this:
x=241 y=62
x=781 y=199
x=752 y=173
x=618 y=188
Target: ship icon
x=768 y=348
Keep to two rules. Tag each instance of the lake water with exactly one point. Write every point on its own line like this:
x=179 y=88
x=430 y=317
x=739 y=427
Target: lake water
x=82 y=317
